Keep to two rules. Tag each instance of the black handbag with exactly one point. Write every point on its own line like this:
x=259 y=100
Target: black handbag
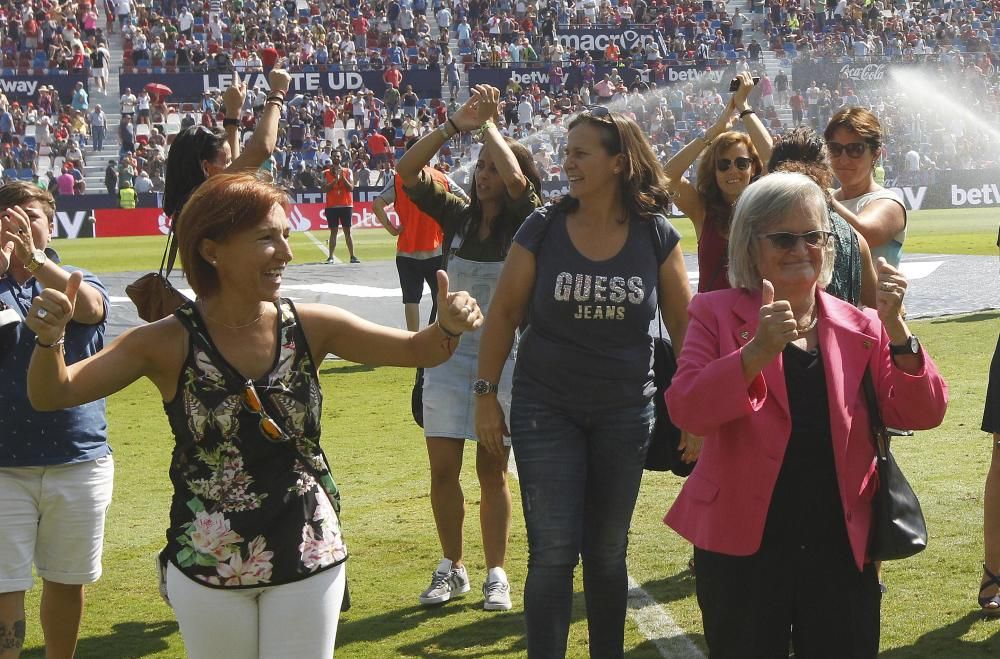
x=663 y=453
x=417 y=398
x=153 y=294
x=417 y=395
x=898 y=528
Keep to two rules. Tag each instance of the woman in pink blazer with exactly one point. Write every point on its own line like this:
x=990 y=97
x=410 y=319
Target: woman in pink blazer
x=779 y=507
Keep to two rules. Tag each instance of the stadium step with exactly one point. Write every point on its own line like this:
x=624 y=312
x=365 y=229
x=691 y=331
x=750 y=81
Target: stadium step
x=111 y=104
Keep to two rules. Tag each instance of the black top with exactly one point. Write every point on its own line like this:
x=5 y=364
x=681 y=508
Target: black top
x=806 y=511
x=247 y=511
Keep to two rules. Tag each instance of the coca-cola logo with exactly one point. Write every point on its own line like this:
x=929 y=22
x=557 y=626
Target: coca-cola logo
x=868 y=72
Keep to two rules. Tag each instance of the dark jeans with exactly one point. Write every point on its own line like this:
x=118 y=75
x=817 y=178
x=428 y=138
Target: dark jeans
x=580 y=472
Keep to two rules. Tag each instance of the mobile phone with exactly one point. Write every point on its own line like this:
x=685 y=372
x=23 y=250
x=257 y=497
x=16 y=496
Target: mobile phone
x=735 y=84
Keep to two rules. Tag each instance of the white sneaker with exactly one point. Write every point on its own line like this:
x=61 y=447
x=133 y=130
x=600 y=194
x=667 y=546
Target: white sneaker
x=496 y=595
x=446 y=582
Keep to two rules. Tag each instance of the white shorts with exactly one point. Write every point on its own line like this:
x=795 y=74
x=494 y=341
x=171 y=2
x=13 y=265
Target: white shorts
x=53 y=517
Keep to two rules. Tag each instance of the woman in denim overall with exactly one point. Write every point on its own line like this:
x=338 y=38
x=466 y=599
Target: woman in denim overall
x=479 y=234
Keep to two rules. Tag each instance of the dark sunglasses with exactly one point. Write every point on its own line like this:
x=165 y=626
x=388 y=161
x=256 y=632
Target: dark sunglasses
x=600 y=112
x=742 y=164
x=268 y=426
x=854 y=149
x=787 y=241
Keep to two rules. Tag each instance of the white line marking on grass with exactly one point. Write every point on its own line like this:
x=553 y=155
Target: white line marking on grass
x=658 y=626
x=650 y=617
x=918 y=269
x=323 y=248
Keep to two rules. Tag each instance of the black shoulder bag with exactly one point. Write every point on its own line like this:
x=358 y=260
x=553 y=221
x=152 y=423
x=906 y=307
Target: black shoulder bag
x=898 y=528
x=663 y=453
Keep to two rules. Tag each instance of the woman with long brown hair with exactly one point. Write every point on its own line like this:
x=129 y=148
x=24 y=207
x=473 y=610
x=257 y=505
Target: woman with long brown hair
x=730 y=160
x=586 y=275
x=477 y=238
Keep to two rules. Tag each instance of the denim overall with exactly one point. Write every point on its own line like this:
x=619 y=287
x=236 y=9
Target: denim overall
x=449 y=404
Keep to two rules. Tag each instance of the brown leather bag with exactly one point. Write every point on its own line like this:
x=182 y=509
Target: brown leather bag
x=153 y=294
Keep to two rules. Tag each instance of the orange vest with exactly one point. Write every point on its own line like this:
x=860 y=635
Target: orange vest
x=340 y=194
x=422 y=233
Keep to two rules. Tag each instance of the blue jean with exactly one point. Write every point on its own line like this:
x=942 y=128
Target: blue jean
x=580 y=472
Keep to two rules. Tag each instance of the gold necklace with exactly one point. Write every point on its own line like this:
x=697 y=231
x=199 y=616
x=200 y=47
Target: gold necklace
x=228 y=326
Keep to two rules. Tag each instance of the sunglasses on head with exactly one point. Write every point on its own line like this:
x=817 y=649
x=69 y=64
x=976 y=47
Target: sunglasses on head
x=598 y=112
x=742 y=164
x=854 y=149
x=268 y=426
x=786 y=241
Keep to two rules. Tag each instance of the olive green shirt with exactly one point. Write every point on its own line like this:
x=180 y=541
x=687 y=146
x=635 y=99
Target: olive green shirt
x=454 y=215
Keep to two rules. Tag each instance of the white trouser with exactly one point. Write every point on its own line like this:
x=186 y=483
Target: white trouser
x=297 y=619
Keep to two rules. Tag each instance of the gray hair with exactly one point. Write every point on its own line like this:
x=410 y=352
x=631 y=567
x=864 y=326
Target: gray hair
x=760 y=206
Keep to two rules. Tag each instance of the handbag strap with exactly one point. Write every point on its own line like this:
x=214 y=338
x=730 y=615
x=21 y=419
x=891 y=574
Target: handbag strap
x=655 y=231
x=880 y=438
x=169 y=251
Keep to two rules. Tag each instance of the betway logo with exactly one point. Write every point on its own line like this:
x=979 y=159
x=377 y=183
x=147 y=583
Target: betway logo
x=987 y=194
x=530 y=77
x=19 y=87
x=913 y=198
x=77 y=224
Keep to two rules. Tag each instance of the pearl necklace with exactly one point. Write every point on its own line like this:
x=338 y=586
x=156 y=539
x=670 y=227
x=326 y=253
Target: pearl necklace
x=810 y=326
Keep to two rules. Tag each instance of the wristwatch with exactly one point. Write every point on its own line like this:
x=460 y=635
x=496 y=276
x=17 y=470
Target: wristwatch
x=483 y=387
x=38 y=258
x=910 y=347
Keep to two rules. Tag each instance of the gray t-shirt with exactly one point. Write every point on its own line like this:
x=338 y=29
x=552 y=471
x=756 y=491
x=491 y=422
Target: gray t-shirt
x=587 y=344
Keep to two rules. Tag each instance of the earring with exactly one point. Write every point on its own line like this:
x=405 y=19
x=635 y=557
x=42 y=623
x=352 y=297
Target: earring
x=214 y=263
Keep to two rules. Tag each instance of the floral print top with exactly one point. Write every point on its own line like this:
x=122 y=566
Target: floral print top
x=246 y=511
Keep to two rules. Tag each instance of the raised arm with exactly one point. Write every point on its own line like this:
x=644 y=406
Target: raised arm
x=758 y=133
x=265 y=136
x=488 y=110
x=686 y=196
x=52 y=385
x=419 y=155
x=233 y=99
x=16 y=238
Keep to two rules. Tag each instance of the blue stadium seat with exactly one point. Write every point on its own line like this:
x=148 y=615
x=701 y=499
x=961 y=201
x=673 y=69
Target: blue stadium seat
x=25 y=174
x=10 y=174
x=29 y=140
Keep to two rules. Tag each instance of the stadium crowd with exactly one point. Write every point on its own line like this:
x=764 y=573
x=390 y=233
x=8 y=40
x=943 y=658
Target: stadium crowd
x=43 y=138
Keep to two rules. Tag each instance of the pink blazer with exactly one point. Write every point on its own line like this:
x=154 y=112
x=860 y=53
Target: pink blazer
x=724 y=503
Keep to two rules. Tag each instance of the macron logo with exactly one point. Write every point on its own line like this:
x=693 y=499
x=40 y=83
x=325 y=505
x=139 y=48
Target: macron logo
x=19 y=87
